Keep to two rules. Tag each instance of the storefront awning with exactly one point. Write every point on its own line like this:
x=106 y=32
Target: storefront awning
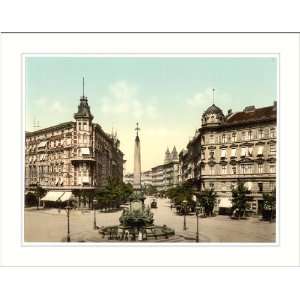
x=66 y=196
x=52 y=196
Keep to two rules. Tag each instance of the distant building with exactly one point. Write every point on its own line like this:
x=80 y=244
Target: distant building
x=72 y=155
x=165 y=176
x=146 y=178
x=226 y=150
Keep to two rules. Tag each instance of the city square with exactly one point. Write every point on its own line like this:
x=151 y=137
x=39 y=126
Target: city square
x=51 y=225
x=219 y=188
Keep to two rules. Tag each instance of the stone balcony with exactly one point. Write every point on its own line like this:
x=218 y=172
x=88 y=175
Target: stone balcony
x=90 y=158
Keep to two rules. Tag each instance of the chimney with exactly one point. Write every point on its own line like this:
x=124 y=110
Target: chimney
x=229 y=112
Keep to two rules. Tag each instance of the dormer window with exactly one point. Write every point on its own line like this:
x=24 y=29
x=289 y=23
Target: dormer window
x=260 y=134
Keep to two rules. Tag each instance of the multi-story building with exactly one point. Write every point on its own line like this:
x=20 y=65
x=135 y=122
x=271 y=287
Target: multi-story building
x=72 y=155
x=165 y=176
x=238 y=147
x=146 y=178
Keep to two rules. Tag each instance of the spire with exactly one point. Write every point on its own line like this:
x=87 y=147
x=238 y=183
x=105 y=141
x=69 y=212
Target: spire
x=83 y=107
x=137 y=129
x=213 y=95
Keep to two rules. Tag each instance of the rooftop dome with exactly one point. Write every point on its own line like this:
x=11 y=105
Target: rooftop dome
x=213 y=116
x=213 y=110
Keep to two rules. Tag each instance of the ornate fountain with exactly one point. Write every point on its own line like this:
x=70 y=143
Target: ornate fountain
x=137 y=222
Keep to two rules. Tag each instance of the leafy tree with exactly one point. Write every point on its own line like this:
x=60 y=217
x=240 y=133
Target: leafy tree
x=207 y=200
x=269 y=203
x=180 y=193
x=239 y=199
x=30 y=199
x=150 y=190
x=113 y=194
x=39 y=192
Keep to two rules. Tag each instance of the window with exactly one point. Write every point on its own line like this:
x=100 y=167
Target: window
x=272 y=169
x=260 y=186
x=260 y=168
x=223 y=153
x=273 y=133
x=248 y=169
x=250 y=149
x=211 y=154
x=243 y=169
x=84 y=126
x=249 y=136
x=233 y=152
x=243 y=151
x=260 y=134
x=233 y=170
x=260 y=150
x=243 y=136
x=266 y=133
x=234 y=137
x=211 y=170
x=223 y=139
x=203 y=139
x=224 y=170
x=272 y=149
x=211 y=139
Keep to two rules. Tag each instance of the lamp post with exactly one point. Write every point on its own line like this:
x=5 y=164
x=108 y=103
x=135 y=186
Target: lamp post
x=184 y=213
x=197 y=216
x=94 y=206
x=68 y=207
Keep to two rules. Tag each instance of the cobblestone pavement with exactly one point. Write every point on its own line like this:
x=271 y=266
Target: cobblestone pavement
x=51 y=225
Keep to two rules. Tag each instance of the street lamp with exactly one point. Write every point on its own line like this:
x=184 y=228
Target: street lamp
x=184 y=213
x=68 y=207
x=197 y=216
x=94 y=206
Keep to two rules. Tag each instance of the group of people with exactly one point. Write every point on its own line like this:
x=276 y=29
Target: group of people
x=128 y=235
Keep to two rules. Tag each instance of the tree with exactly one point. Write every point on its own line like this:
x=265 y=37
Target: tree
x=180 y=193
x=39 y=192
x=30 y=199
x=207 y=200
x=269 y=204
x=113 y=194
x=239 y=199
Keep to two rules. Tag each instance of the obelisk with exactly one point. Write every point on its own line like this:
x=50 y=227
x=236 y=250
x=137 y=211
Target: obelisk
x=137 y=161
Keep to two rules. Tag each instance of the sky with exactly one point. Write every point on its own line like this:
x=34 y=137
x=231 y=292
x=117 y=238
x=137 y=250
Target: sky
x=166 y=95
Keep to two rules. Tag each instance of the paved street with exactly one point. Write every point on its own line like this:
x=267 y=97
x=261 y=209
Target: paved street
x=51 y=226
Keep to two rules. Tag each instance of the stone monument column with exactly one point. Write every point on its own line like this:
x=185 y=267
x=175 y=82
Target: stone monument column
x=137 y=161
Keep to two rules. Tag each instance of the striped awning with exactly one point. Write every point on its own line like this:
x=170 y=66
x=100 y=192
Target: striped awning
x=52 y=196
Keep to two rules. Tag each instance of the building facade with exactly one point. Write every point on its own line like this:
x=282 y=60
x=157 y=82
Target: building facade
x=165 y=176
x=226 y=150
x=72 y=155
x=146 y=178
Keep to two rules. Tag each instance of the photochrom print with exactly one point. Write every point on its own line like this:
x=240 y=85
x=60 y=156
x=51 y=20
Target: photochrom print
x=150 y=149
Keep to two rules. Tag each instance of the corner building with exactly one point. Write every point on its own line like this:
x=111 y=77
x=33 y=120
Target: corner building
x=72 y=155
x=238 y=147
